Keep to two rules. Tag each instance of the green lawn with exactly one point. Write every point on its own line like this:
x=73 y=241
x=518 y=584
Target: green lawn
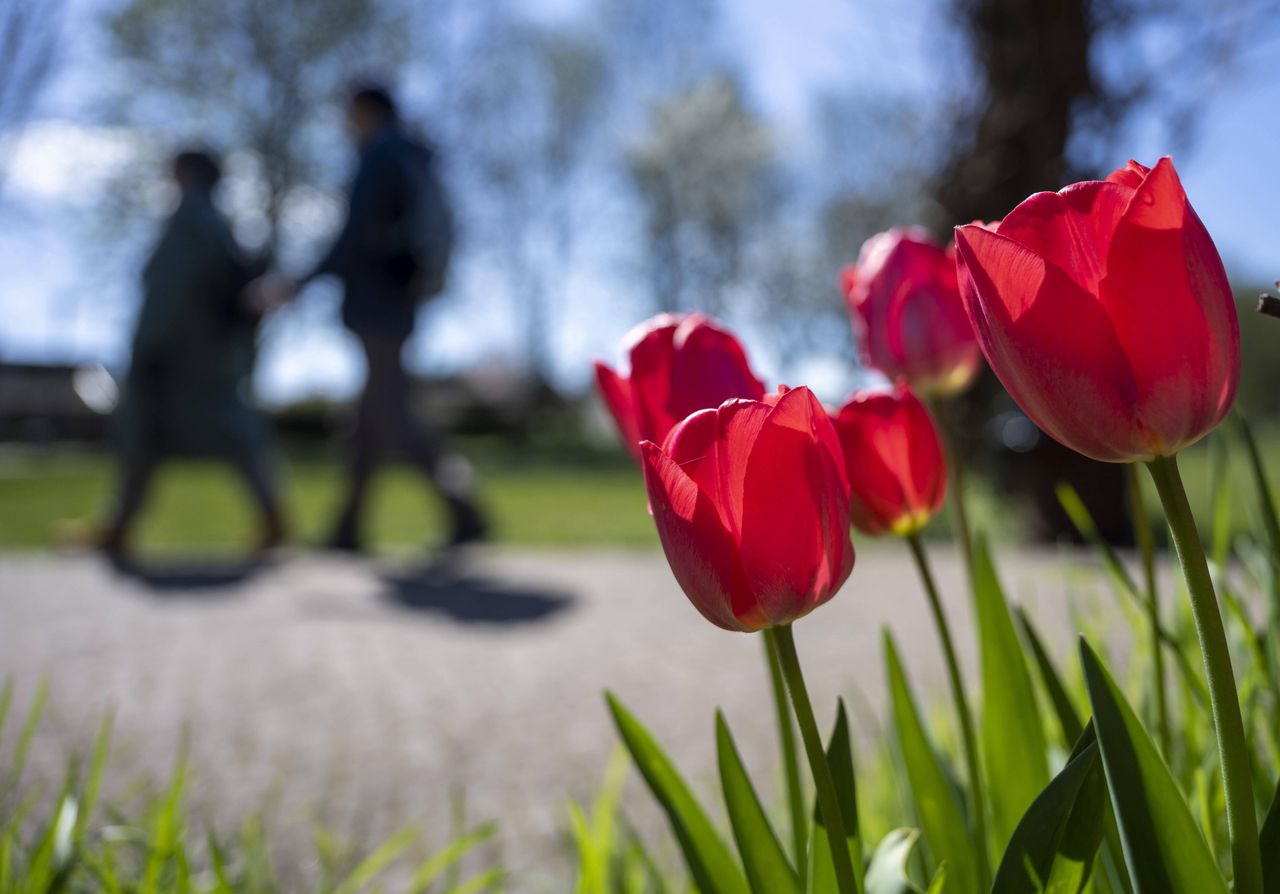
x=593 y=501
x=538 y=497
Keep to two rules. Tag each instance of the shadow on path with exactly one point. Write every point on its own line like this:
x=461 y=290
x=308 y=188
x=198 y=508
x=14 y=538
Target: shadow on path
x=472 y=598
x=190 y=578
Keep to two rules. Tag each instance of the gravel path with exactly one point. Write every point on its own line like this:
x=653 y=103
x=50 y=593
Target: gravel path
x=367 y=692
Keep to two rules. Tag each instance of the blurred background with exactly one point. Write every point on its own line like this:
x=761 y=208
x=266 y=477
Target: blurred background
x=607 y=159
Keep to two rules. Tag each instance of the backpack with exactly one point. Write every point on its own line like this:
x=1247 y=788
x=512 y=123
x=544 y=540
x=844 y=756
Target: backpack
x=426 y=227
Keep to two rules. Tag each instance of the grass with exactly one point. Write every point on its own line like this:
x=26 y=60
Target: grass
x=62 y=839
x=585 y=499
x=538 y=497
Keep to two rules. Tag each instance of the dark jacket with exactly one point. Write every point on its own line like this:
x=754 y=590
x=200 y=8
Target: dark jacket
x=376 y=272
x=193 y=345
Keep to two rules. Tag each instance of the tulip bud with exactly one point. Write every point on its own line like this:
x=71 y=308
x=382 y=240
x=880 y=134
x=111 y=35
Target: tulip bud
x=752 y=508
x=1105 y=311
x=908 y=319
x=894 y=461
x=680 y=363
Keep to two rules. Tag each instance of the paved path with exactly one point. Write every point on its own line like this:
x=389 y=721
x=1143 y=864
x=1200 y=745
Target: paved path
x=369 y=691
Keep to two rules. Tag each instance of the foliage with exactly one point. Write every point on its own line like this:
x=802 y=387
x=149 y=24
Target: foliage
x=77 y=841
x=1121 y=812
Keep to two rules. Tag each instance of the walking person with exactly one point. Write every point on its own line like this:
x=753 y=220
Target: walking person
x=391 y=253
x=192 y=359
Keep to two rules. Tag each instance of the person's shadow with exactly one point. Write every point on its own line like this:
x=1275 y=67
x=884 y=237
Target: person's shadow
x=190 y=578
x=470 y=598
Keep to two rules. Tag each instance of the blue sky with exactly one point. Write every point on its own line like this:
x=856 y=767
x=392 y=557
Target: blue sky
x=1232 y=173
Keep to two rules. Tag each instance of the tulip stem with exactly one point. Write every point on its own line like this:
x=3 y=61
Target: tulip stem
x=828 y=803
x=1146 y=551
x=942 y=411
x=790 y=763
x=1242 y=822
x=968 y=735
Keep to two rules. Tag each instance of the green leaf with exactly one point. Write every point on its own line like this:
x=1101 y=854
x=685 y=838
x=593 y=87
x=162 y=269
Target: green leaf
x=887 y=872
x=383 y=856
x=1163 y=847
x=712 y=865
x=1269 y=845
x=1012 y=735
x=840 y=757
x=1262 y=487
x=937 y=803
x=1053 y=848
x=485 y=881
x=768 y=870
x=1068 y=718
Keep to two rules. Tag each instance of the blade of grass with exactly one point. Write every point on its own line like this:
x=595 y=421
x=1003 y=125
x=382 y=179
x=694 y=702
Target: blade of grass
x=448 y=856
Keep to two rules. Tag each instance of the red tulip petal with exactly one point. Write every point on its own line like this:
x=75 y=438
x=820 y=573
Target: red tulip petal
x=794 y=541
x=702 y=556
x=616 y=392
x=848 y=279
x=651 y=355
x=871 y=440
x=1071 y=228
x=1131 y=175
x=894 y=457
x=710 y=366
x=1051 y=344
x=1171 y=305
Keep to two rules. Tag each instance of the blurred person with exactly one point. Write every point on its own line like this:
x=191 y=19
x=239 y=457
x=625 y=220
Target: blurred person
x=192 y=358
x=392 y=252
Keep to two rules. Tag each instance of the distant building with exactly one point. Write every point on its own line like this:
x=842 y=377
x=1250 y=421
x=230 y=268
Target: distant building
x=40 y=403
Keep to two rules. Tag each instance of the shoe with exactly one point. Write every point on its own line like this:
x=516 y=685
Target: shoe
x=344 y=540
x=469 y=524
x=273 y=535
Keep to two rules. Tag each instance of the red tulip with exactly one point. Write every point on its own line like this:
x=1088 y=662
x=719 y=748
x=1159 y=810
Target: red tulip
x=908 y=319
x=1106 y=313
x=752 y=507
x=680 y=363
x=893 y=458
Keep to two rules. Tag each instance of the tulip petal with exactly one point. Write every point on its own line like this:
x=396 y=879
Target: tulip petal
x=1171 y=305
x=1071 y=228
x=701 y=554
x=711 y=367
x=1131 y=175
x=794 y=542
x=894 y=458
x=650 y=356
x=908 y=319
x=1051 y=344
x=616 y=392
x=870 y=439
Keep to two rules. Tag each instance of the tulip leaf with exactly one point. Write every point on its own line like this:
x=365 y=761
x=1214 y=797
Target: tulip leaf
x=840 y=757
x=887 y=872
x=1072 y=729
x=1269 y=845
x=1068 y=717
x=937 y=803
x=1163 y=846
x=1053 y=848
x=710 y=862
x=1012 y=735
x=768 y=869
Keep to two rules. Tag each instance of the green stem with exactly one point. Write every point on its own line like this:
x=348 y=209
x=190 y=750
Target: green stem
x=1267 y=507
x=959 y=510
x=968 y=734
x=1146 y=550
x=790 y=763
x=1242 y=821
x=828 y=804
